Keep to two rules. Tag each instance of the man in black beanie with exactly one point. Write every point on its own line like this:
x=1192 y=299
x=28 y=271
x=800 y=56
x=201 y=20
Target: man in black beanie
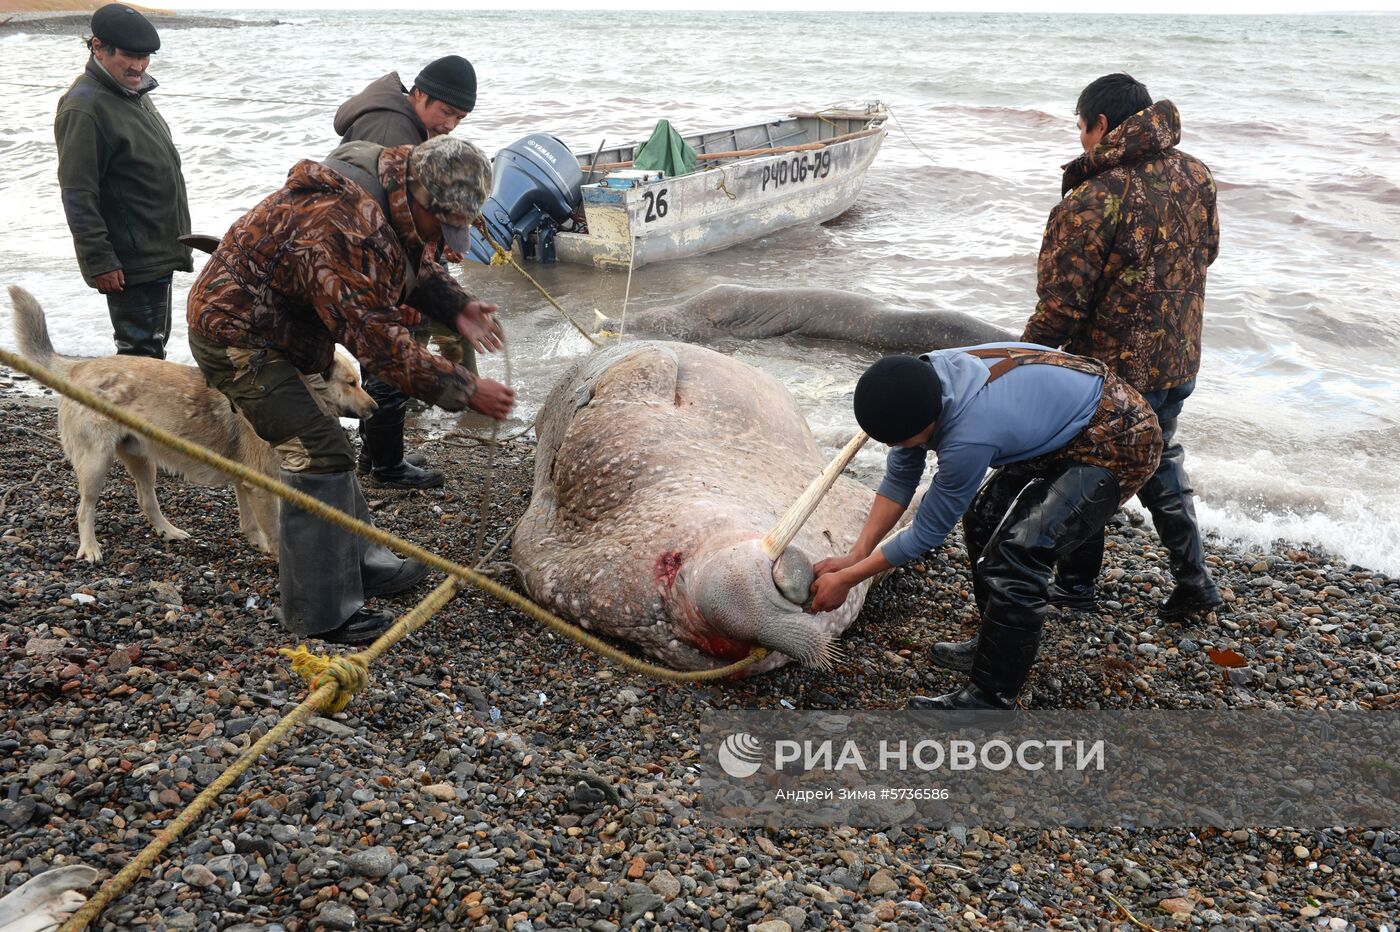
x=1069 y=442
x=387 y=114
x=120 y=180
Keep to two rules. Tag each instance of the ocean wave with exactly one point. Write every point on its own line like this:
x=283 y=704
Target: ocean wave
x=1348 y=528
x=1020 y=114
x=1364 y=183
x=1246 y=129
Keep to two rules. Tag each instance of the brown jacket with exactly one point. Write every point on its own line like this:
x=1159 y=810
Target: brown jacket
x=380 y=113
x=318 y=263
x=1122 y=270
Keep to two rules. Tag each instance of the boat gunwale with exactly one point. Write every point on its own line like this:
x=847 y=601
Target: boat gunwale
x=874 y=120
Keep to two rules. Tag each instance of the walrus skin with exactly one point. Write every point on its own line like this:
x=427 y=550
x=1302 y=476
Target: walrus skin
x=814 y=313
x=659 y=468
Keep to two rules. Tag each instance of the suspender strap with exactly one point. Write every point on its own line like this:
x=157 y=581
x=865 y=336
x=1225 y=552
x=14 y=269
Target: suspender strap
x=376 y=190
x=362 y=178
x=1010 y=357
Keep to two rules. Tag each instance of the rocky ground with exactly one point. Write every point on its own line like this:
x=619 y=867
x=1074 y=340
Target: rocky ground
x=493 y=776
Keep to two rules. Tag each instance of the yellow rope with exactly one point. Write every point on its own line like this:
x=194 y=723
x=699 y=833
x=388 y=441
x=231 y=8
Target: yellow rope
x=333 y=680
x=369 y=531
x=504 y=256
x=349 y=673
x=132 y=872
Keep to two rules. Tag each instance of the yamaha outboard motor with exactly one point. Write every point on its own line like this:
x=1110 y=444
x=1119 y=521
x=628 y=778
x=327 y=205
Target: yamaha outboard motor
x=538 y=186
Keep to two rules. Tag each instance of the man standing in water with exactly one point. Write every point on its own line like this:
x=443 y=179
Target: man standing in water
x=386 y=114
x=122 y=189
x=1122 y=278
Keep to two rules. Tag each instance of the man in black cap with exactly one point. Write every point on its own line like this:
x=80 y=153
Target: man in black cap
x=386 y=114
x=122 y=189
x=1069 y=442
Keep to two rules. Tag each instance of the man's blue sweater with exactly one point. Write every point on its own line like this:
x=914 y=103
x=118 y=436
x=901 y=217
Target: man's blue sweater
x=1031 y=410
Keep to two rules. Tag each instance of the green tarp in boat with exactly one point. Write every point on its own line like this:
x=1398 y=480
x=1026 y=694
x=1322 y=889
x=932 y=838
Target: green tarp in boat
x=665 y=151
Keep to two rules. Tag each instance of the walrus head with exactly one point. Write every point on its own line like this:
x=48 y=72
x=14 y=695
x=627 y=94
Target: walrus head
x=737 y=594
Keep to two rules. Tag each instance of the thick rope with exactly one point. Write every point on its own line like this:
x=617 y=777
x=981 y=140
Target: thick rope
x=369 y=531
x=349 y=673
x=504 y=256
x=627 y=295
x=128 y=875
x=333 y=679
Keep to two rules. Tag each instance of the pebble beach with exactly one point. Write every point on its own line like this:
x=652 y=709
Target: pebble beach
x=494 y=776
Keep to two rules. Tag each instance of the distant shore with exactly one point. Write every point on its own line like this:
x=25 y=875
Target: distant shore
x=71 y=23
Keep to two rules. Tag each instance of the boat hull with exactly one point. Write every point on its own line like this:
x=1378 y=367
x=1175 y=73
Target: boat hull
x=639 y=222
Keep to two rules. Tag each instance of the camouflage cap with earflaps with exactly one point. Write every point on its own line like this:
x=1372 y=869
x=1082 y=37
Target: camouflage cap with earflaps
x=457 y=178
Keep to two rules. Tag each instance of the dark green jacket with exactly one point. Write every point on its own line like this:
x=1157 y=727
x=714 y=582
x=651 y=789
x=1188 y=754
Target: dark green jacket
x=120 y=177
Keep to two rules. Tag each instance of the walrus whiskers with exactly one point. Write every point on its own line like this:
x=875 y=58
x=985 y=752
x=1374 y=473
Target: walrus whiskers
x=777 y=540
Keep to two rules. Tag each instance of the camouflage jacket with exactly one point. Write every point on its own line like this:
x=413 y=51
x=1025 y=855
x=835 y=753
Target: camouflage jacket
x=1122 y=269
x=318 y=263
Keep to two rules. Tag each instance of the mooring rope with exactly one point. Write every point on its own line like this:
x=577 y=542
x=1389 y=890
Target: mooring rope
x=333 y=679
x=503 y=256
x=365 y=530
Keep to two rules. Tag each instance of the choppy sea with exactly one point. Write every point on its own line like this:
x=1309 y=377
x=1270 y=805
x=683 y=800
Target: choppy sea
x=1294 y=431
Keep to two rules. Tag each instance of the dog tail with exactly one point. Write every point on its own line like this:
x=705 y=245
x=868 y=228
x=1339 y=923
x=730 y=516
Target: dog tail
x=32 y=331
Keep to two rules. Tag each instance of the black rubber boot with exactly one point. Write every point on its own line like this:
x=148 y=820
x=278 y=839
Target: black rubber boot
x=954 y=655
x=364 y=464
x=383 y=445
x=983 y=518
x=361 y=628
x=318 y=563
x=1075 y=576
x=1169 y=499
x=1049 y=518
x=141 y=318
x=382 y=572
x=969 y=698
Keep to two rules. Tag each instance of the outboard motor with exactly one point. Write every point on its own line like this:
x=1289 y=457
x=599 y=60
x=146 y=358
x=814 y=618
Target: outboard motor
x=538 y=186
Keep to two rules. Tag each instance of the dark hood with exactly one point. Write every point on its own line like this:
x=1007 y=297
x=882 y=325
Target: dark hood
x=1142 y=136
x=387 y=93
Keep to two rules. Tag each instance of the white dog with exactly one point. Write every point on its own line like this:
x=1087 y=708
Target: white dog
x=176 y=398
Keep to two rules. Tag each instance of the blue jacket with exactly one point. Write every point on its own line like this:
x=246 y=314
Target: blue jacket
x=1031 y=410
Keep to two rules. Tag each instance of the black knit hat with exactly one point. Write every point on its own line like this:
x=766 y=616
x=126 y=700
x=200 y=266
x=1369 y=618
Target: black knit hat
x=451 y=79
x=119 y=26
x=897 y=398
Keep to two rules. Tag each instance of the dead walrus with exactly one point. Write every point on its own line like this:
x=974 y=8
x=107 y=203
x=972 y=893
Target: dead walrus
x=660 y=467
x=742 y=312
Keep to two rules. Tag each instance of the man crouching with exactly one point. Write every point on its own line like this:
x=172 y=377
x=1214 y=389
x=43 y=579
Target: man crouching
x=341 y=255
x=1069 y=441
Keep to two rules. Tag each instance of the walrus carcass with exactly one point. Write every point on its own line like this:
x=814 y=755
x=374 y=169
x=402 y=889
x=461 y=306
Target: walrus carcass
x=660 y=467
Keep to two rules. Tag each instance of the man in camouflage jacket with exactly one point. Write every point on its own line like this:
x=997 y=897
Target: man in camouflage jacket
x=343 y=254
x=1122 y=275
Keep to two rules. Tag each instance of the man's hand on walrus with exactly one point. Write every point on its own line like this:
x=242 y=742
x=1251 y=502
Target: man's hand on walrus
x=477 y=324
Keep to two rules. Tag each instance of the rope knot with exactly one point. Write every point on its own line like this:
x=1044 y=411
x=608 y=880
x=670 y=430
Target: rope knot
x=349 y=672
